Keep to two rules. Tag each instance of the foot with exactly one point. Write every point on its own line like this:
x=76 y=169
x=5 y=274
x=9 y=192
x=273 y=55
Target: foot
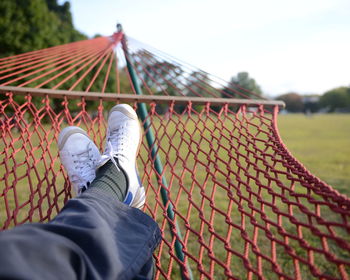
x=123 y=141
x=80 y=157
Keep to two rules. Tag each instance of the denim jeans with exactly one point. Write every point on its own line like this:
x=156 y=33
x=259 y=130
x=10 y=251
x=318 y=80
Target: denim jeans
x=93 y=237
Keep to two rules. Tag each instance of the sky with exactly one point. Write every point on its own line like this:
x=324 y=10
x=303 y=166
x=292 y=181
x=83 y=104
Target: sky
x=298 y=46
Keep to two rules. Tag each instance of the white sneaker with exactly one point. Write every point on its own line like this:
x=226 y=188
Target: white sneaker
x=123 y=141
x=80 y=157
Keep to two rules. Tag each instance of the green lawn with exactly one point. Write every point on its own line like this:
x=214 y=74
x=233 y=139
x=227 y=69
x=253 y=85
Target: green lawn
x=322 y=144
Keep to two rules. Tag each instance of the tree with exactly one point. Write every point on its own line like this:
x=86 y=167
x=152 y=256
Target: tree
x=294 y=102
x=198 y=84
x=338 y=98
x=240 y=85
x=36 y=24
x=161 y=77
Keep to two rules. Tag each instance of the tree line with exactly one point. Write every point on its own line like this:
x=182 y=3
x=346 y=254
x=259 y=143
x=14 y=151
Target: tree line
x=334 y=100
x=36 y=24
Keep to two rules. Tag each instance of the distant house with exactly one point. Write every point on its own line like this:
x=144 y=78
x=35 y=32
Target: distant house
x=311 y=99
x=311 y=103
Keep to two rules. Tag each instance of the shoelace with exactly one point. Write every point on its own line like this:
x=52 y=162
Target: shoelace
x=84 y=165
x=111 y=154
x=116 y=139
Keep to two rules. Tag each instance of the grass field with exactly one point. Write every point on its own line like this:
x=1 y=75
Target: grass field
x=320 y=142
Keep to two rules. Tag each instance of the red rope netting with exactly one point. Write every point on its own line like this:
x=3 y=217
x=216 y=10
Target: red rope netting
x=246 y=209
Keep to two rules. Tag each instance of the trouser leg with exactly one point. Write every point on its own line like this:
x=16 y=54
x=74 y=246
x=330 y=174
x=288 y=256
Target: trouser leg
x=93 y=237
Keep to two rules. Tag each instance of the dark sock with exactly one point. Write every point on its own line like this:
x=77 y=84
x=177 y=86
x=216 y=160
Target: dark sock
x=110 y=181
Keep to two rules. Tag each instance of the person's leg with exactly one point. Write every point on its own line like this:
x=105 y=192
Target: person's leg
x=95 y=236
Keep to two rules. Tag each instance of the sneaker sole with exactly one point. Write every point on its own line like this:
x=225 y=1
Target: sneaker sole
x=66 y=132
x=124 y=110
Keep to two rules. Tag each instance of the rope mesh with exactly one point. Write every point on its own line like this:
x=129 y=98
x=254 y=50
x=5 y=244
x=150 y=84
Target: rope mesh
x=246 y=209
